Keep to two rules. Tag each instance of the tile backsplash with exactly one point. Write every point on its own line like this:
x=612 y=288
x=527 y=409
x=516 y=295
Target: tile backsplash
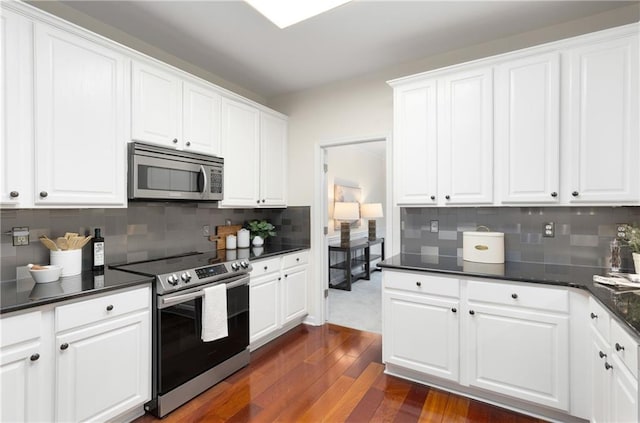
x=141 y=231
x=582 y=234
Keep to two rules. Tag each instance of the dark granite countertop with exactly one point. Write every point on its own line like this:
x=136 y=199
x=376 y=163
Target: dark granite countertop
x=266 y=251
x=624 y=303
x=25 y=293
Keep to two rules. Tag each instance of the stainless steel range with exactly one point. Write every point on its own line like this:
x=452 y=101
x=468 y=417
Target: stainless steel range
x=184 y=365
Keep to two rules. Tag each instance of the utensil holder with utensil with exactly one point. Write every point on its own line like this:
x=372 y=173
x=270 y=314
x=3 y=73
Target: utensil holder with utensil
x=69 y=260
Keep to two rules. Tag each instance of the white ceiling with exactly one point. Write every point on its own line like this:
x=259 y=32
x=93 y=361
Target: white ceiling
x=233 y=41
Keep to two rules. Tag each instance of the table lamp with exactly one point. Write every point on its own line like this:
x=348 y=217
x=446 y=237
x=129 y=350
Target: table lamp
x=371 y=211
x=345 y=212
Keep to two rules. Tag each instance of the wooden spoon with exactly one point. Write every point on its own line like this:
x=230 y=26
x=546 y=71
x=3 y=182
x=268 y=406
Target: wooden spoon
x=49 y=243
x=83 y=241
x=63 y=244
x=69 y=235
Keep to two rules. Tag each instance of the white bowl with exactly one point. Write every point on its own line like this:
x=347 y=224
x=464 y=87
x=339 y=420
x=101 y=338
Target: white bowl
x=49 y=273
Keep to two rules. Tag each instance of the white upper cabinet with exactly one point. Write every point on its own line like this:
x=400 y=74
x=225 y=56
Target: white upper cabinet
x=466 y=137
x=80 y=121
x=16 y=110
x=174 y=112
x=602 y=118
x=273 y=161
x=527 y=129
x=415 y=143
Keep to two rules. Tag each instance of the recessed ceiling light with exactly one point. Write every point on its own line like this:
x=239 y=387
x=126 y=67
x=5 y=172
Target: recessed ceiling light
x=285 y=13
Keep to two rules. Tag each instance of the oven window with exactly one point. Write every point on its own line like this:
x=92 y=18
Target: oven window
x=182 y=354
x=167 y=179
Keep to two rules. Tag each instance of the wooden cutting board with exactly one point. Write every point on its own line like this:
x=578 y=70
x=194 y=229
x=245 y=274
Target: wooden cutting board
x=221 y=235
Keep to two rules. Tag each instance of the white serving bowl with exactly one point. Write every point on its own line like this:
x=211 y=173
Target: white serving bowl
x=49 y=273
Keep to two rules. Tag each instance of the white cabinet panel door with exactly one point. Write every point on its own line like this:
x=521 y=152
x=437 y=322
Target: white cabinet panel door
x=240 y=150
x=600 y=379
x=294 y=293
x=624 y=394
x=80 y=121
x=273 y=161
x=465 y=137
x=422 y=334
x=528 y=129
x=415 y=144
x=21 y=377
x=104 y=369
x=16 y=110
x=264 y=305
x=522 y=354
x=156 y=114
x=603 y=123
x=201 y=119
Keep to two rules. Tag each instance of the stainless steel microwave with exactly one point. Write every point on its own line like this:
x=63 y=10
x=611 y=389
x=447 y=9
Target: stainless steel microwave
x=157 y=173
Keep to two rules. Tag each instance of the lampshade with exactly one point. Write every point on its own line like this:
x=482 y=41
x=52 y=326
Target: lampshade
x=346 y=211
x=371 y=210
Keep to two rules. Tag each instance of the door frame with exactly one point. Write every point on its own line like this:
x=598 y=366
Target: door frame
x=319 y=219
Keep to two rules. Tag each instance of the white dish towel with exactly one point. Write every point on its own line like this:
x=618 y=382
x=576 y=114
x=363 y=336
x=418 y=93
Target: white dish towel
x=214 y=313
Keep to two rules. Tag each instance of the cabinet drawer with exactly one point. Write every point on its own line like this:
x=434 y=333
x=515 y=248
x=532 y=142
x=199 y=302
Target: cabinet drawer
x=599 y=317
x=101 y=308
x=422 y=283
x=512 y=294
x=20 y=328
x=264 y=267
x=623 y=346
x=295 y=259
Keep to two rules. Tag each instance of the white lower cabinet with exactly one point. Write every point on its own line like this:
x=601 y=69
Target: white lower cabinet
x=277 y=296
x=85 y=361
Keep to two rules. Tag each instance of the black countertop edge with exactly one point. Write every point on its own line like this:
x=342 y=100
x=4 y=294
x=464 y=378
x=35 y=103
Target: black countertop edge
x=272 y=251
x=623 y=303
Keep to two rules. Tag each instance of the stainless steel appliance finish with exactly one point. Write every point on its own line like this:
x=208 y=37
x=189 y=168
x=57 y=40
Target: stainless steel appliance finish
x=157 y=173
x=184 y=365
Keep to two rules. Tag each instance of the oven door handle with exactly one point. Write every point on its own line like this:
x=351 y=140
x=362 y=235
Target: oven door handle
x=177 y=299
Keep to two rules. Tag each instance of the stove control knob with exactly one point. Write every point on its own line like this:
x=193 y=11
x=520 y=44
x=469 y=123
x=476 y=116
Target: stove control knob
x=234 y=266
x=186 y=277
x=244 y=264
x=172 y=279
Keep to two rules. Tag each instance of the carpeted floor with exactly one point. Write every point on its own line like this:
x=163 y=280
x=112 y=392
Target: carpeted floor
x=360 y=308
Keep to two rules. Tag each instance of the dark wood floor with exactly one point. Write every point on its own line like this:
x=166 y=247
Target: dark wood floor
x=328 y=374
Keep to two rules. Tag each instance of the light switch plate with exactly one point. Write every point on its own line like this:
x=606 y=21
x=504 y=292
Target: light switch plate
x=434 y=226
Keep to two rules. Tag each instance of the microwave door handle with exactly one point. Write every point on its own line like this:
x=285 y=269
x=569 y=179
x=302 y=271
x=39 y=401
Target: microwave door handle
x=205 y=180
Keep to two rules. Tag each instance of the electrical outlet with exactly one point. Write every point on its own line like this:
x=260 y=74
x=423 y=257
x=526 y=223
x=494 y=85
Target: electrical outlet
x=20 y=236
x=621 y=230
x=434 y=226
x=205 y=230
x=548 y=230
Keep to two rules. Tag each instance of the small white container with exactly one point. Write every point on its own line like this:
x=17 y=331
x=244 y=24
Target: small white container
x=243 y=238
x=69 y=260
x=231 y=242
x=45 y=275
x=483 y=247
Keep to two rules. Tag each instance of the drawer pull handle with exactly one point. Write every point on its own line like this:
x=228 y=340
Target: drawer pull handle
x=514 y=296
x=447 y=197
x=34 y=357
x=554 y=194
x=286 y=276
x=619 y=347
x=14 y=194
x=297 y=258
x=265 y=268
x=418 y=283
x=44 y=194
x=575 y=193
x=109 y=307
x=188 y=143
x=607 y=366
x=455 y=310
x=594 y=316
x=481 y=247
x=175 y=140
x=433 y=197
x=602 y=355
x=64 y=346
x=471 y=312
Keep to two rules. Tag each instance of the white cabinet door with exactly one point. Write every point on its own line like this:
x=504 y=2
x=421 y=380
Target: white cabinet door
x=264 y=306
x=523 y=354
x=240 y=150
x=16 y=110
x=294 y=293
x=603 y=120
x=201 y=119
x=415 y=144
x=600 y=379
x=465 y=138
x=527 y=125
x=624 y=394
x=103 y=370
x=422 y=334
x=80 y=121
x=156 y=114
x=273 y=161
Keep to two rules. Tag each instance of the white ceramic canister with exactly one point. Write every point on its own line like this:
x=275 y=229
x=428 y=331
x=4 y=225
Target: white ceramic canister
x=231 y=242
x=69 y=260
x=483 y=247
x=243 y=238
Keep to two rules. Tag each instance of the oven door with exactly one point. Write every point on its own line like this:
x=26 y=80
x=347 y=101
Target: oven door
x=181 y=353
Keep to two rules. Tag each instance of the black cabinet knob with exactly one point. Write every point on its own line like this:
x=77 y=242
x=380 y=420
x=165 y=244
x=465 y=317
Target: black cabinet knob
x=619 y=347
x=471 y=312
x=594 y=316
x=188 y=143
x=607 y=366
x=286 y=276
x=263 y=200
x=109 y=307
x=601 y=354
x=418 y=283
x=575 y=193
x=64 y=346
x=34 y=357
x=175 y=140
x=433 y=197
x=44 y=194
x=297 y=258
x=257 y=201
x=448 y=197
x=14 y=194
x=554 y=194
x=455 y=310
x=279 y=279
x=265 y=268
x=514 y=296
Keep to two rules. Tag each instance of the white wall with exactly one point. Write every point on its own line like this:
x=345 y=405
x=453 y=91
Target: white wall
x=359 y=166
